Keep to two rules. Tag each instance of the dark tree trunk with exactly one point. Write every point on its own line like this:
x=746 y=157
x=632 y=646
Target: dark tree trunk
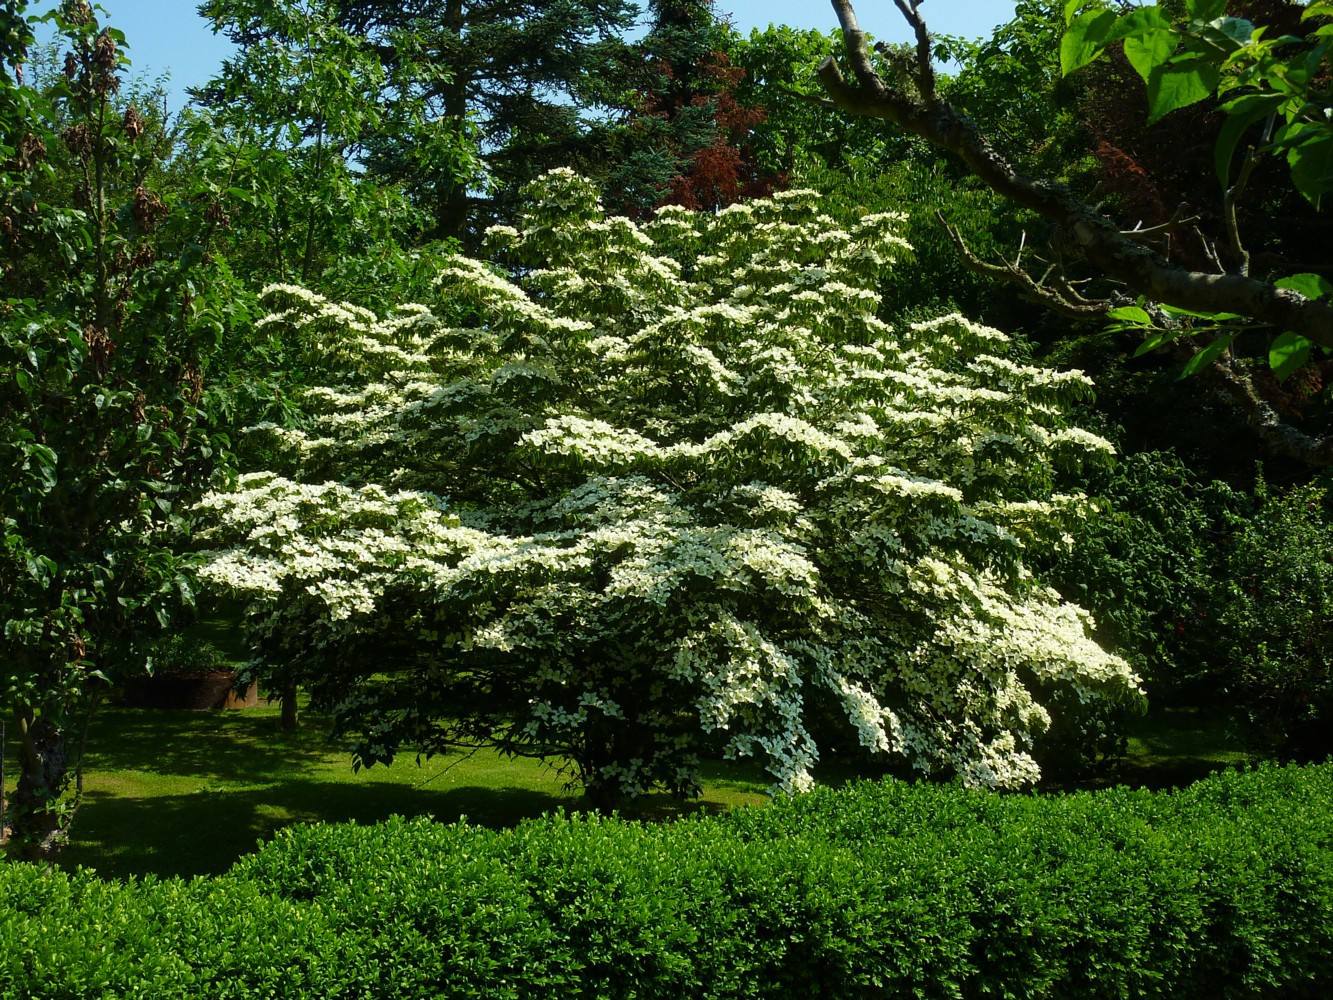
x=453 y=211
x=289 y=719
x=38 y=830
x=603 y=796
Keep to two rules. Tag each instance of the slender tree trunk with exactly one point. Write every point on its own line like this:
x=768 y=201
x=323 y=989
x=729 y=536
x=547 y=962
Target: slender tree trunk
x=602 y=796
x=453 y=210
x=289 y=719
x=38 y=830
x=4 y=815
x=308 y=255
x=598 y=750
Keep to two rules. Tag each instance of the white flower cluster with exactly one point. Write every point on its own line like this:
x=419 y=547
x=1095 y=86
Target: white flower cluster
x=692 y=477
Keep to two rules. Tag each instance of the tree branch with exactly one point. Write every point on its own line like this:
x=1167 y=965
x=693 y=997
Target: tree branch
x=925 y=67
x=1279 y=438
x=1141 y=269
x=1062 y=299
x=1229 y=202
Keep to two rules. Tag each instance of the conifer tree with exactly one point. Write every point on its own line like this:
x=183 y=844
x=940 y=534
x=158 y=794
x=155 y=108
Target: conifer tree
x=515 y=75
x=687 y=138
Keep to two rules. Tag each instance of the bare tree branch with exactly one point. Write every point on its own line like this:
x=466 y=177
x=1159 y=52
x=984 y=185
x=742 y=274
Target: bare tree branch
x=1058 y=298
x=1140 y=268
x=1170 y=224
x=925 y=64
x=1229 y=202
x=819 y=102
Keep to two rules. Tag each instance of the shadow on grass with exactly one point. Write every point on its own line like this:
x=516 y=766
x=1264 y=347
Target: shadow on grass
x=225 y=746
x=187 y=793
x=1170 y=748
x=204 y=832
x=245 y=745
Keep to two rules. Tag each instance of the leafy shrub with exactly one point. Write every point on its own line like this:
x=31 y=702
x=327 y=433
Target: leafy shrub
x=181 y=654
x=1145 y=564
x=1276 y=620
x=1142 y=562
x=1223 y=889
x=1212 y=596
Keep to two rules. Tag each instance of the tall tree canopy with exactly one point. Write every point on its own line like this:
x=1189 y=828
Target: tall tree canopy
x=516 y=76
x=108 y=317
x=285 y=121
x=688 y=138
x=1206 y=316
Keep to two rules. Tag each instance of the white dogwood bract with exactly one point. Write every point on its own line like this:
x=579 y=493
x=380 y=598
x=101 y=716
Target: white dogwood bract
x=644 y=491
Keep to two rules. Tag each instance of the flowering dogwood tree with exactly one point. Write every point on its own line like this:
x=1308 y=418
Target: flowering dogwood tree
x=649 y=491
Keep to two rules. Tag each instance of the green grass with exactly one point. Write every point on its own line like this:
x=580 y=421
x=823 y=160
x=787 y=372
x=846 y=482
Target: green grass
x=1168 y=748
x=187 y=793
x=1176 y=746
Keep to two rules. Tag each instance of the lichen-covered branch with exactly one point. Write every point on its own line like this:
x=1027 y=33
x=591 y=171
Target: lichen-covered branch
x=1279 y=438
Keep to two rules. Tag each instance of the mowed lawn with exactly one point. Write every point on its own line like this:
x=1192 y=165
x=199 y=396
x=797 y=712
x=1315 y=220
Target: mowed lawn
x=187 y=793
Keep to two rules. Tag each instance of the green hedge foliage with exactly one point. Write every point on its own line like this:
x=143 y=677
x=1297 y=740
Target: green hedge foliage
x=1222 y=889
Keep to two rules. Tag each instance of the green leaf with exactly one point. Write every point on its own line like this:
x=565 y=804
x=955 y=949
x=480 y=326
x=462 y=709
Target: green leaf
x=1207 y=356
x=1217 y=317
x=1072 y=7
x=1311 y=163
x=1131 y=314
x=1149 y=50
x=1312 y=286
x=1084 y=39
x=1155 y=341
x=1242 y=113
x=1288 y=354
x=1205 y=10
x=1177 y=85
x=1237 y=29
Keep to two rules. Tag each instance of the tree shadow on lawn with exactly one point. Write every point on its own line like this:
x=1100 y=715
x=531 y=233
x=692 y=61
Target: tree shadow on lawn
x=1171 y=747
x=203 y=833
x=187 y=793
x=234 y=745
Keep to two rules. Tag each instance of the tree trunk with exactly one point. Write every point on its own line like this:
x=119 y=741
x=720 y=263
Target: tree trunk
x=453 y=211
x=603 y=796
x=37 y=822
x=289 y=720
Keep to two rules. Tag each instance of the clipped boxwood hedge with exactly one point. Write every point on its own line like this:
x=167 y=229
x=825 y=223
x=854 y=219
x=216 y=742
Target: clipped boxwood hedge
x=1223 y=889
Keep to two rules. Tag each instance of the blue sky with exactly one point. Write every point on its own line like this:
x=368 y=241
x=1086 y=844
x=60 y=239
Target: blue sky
x=167 y=36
